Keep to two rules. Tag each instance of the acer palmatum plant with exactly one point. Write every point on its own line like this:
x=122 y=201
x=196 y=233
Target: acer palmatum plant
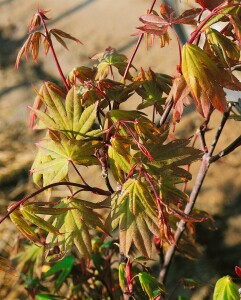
x=100 y=248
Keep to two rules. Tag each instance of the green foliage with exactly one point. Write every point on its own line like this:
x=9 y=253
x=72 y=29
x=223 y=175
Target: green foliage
x=225 y=288
x=65 y=266
x=150 y=285
x=145 y=168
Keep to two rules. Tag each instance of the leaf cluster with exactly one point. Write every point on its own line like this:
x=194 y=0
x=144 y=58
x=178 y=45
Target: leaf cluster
x=145 y=169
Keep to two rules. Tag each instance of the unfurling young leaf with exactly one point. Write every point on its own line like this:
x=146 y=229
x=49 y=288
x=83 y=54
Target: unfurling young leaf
x=150 y=285
x=122 y=275
x=225 y=288
x=32 y=45
x=59 y=34
x=108 y=59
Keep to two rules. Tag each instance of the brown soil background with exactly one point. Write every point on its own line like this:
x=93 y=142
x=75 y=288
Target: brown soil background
x=99 y=24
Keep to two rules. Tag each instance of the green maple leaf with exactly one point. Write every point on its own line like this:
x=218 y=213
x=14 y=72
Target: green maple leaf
x=76 y=224
x=29 y=214
x=222 y=47
x=136 y=213
x=56 y=153
x=66 y=115
x=150 y=285
x=222 y=15
x=119 y=157
x=203 y=79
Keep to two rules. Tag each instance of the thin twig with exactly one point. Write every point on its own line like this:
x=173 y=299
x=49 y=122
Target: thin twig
x=137 y=45
x=94 y=190
x=166 y=112
x=53 y=52
x=193 y=197
x=235 y=144
x=103 y=157
x=78 y=172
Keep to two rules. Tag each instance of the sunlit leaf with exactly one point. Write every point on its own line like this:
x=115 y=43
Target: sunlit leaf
x=150 y=285
x=110 y=58
x=30 y=215
x=23 y=226
x=69 y=117
x=55 y=155
x=75 y=224
x=135 y=212
x=222 y=13
x=122 y=275
x=222 y=47
x=203 y=79
x=225 y=288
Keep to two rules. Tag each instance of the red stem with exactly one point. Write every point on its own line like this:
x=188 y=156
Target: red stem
x=179 y=49
x=94 y=190
x=77 y=171
x=137 y=45
x=216 y=11
x=53 y=52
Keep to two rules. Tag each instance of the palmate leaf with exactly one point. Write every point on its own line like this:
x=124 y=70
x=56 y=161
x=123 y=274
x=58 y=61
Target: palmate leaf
x=148 y=131
x=222 y=47
x=156 y=25
x=75 y=224
x=119 y=157
x=151 y=88
x=23 y=226
x=135 y=212
x=67 y=115
x=204 y=80
x=175 y=153
x=116 y=91
x=120 y=115
x=55 y=154
x=30 y=215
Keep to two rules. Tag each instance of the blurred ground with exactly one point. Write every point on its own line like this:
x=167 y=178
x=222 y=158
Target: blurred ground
x=99 y=24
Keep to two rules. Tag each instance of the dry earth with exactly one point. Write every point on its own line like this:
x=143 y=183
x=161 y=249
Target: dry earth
x=99 y=24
